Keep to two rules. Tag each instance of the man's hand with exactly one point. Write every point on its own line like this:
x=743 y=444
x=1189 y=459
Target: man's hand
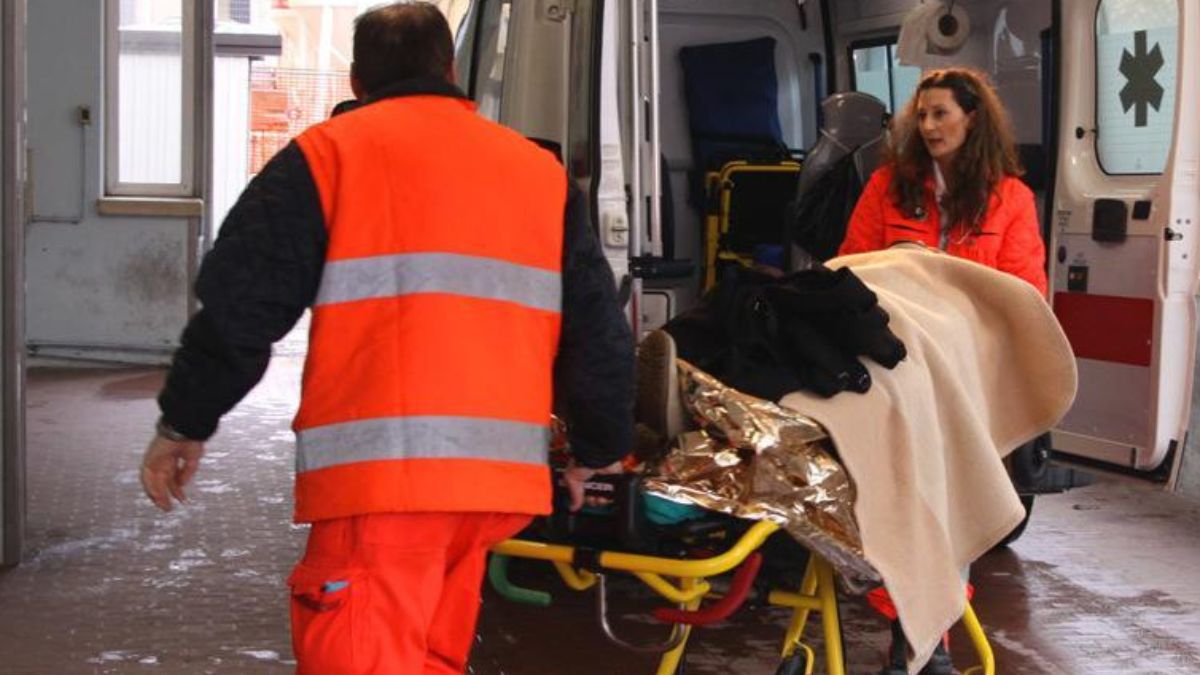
x=167 y=466
x=576 y=476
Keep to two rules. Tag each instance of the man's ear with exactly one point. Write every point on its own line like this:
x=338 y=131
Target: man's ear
x=355 y=85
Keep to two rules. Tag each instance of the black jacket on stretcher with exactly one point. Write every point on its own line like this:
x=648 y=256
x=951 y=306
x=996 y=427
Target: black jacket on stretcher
x=265 y=269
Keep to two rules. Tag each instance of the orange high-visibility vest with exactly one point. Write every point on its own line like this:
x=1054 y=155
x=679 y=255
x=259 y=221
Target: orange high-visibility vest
x=428 y=380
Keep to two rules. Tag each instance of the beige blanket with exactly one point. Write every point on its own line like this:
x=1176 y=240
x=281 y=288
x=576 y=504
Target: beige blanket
x=988 y=368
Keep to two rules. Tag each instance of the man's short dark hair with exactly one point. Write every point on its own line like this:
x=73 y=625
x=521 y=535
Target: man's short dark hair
x=401 y=41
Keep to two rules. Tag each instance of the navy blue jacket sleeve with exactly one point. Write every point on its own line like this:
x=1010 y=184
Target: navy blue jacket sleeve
x=595 y=367
x=255 y=283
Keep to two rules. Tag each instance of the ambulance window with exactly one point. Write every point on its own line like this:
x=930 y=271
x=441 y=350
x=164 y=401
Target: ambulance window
x=904 y=79
x=1136 y=57
x=877 y=71
x=491 y=40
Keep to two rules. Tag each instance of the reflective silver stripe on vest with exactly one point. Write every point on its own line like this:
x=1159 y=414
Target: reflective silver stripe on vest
x=421 y=438
x=407 y=273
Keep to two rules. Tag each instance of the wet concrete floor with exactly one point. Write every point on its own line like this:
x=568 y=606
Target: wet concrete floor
x=1105 y=580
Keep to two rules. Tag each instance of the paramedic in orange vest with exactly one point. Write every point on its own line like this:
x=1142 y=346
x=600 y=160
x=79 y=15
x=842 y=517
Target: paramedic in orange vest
x=952 y=182
x=457 y=293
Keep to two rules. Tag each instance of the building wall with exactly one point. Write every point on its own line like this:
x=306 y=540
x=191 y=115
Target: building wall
x=117 y=286
x=318 y=34
x=103 y=283
x=231 y=134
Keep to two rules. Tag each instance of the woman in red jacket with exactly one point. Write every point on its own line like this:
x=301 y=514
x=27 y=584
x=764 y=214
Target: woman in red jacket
x=951 y=182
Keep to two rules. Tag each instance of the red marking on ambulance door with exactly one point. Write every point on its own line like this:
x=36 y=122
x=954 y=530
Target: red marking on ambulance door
x=1107 y=327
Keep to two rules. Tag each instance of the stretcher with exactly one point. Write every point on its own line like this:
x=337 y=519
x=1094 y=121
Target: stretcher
x=746 y=202
x=687 y=583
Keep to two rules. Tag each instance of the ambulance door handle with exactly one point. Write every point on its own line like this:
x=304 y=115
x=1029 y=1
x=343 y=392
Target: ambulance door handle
x=1172 y=235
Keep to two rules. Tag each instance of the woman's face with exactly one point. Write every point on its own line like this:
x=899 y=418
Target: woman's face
x=943 y=124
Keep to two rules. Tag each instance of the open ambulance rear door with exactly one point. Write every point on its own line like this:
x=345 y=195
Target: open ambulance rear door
x=1125 y=237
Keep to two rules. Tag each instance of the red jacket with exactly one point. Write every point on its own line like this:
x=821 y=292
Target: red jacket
x=1010 y=240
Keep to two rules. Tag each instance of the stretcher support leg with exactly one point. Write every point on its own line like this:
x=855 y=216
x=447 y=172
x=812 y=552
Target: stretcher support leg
x=795 y=630
x=670 y=660
x=983 y=648
x=827 y=593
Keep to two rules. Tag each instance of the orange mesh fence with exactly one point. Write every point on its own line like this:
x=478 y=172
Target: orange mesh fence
x=285 y=102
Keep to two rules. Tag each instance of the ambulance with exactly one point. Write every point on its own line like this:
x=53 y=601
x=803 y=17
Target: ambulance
x=1103 y=96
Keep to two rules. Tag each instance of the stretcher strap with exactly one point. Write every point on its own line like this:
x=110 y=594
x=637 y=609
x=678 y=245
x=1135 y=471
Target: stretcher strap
x=585 y=558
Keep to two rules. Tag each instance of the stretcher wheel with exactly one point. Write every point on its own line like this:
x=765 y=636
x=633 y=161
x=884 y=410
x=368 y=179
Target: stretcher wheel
x=1030 y=463
x=796 y=664
x=1027 y=502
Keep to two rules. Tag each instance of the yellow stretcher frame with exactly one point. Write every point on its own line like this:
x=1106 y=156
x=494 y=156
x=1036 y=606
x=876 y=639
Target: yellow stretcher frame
x=716 y=222
x=818 y=593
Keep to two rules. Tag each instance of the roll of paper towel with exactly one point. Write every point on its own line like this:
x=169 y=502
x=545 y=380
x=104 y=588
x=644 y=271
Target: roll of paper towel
x=948 y=30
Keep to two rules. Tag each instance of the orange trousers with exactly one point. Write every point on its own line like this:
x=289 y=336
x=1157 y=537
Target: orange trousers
x=394 y=593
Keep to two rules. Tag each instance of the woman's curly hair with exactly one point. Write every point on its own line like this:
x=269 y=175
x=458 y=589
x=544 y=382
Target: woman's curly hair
x=987 y=155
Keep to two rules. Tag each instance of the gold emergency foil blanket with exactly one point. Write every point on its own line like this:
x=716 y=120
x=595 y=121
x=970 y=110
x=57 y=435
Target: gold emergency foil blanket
x=755 y=460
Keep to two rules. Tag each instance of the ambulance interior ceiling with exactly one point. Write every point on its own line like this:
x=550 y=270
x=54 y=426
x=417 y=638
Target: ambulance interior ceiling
x=1004 y=40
